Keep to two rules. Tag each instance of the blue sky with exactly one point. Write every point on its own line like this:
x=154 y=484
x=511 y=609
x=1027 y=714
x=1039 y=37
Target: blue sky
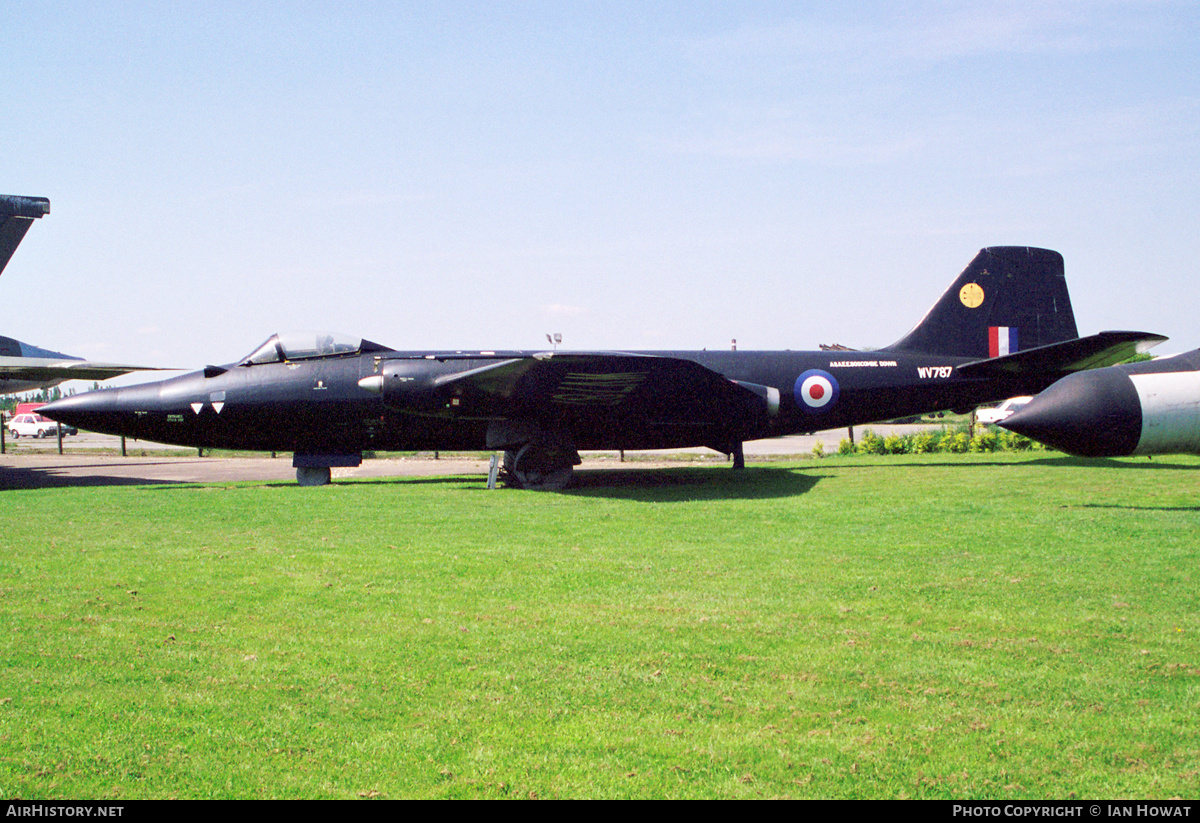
x=634 y=176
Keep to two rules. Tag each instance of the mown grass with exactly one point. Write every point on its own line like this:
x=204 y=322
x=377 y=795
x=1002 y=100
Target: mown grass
x=976 y=626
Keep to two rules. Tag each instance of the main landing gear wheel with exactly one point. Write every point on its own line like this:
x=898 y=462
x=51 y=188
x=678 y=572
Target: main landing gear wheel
x=313 y=475
x=538 y=468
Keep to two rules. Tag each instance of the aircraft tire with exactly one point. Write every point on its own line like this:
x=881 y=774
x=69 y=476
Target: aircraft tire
x=313 y=475
x=527 y=469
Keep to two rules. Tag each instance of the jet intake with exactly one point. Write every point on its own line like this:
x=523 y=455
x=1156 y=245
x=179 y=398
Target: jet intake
x=407 y=386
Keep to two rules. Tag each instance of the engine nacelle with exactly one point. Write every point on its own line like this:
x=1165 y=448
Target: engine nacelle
x=406 y=385
x=769 y=395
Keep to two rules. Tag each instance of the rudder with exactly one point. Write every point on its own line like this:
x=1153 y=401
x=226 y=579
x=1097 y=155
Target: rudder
x=1008 y=299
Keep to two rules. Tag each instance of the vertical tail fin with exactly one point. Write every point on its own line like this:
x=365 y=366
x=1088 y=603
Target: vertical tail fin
x=1009 y=299
x=16 y=215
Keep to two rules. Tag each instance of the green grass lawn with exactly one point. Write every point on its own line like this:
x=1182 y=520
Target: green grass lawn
x=977 y=626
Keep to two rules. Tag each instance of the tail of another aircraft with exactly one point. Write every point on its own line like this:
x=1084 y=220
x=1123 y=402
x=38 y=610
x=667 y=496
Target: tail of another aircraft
x=16 y=215
x=1009 y=299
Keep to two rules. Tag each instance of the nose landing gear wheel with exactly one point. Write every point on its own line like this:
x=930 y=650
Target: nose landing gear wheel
x=313 y=475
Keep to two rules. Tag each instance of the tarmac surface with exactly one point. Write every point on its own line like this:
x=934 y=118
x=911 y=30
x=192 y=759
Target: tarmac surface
x=35 y=464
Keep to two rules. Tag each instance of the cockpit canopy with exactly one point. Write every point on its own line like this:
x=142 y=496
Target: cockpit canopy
x=307 y=345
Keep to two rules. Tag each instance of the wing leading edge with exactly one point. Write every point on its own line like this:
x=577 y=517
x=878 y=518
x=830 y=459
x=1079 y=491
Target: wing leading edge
x=581 y=390
x=47 y=372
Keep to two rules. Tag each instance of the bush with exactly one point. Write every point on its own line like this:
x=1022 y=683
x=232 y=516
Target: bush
x=953 y=440
x=1011 y=441
x=984 y=441
x=870 y=443
x=923 y=443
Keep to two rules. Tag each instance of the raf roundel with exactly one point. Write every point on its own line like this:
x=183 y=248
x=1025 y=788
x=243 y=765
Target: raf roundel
x=816 y=391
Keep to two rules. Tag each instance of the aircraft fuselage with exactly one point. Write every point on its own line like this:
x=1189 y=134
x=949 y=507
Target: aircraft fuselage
x=319 y=406
x=1003 y=328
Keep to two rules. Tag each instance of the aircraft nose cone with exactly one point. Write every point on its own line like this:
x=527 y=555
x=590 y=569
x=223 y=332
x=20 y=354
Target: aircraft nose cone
x=74 y=410
x=111 y=411
x=1089 y=414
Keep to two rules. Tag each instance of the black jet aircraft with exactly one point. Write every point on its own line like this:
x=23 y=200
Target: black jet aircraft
x=1005 y=327
x=1151 y=407
x=24 y=367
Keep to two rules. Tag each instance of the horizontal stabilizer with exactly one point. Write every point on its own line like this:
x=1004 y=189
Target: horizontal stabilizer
x=1104 y=349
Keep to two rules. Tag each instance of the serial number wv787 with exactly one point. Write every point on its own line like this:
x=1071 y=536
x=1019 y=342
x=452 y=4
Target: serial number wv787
x=934 y=371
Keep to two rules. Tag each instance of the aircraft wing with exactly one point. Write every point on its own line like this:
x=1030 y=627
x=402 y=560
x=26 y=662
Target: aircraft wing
x=594 y=388
x=18 y=374
x=1094 y=351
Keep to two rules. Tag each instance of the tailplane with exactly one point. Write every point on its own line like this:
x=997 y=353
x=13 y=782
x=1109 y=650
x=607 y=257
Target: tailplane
x=1009 y=299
